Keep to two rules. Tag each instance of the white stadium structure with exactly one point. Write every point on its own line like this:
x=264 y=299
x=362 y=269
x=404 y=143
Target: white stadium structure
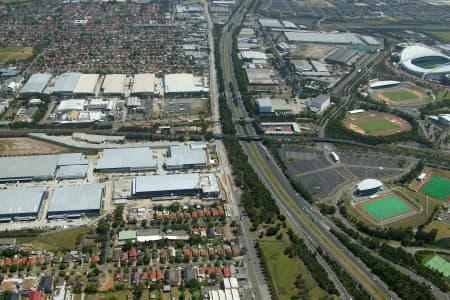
x=368 y=187
x=425 y=62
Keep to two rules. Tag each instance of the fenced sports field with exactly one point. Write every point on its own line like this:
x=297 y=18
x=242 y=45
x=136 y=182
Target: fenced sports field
x=386 y=207
x=436 y=186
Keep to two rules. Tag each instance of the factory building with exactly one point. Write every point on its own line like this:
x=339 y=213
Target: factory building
x=66 y=83
x=323 y=37
x=126 y=160
x=86 y=84
x=275 y=106
x=114 y=85
x=185 y=84
x=342 y=56
x=36 y=84
x=75 y=201
x=72 y=172
x=144 y=85
x=22 y=204
x=36 y=167
x=204 y=186
x=186 y=157
x=66 y=106
x=320 y=103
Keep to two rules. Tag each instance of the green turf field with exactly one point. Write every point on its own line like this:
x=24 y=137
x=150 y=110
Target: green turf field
x=385 y=208
x=400 y=95
x=438 y=187
x=439 y=264
x=376 y=125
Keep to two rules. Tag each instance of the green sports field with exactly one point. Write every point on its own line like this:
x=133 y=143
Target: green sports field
x=385 y=207
x=376 y=125
x=400 y=95
x=438 y=187
x=439 y=264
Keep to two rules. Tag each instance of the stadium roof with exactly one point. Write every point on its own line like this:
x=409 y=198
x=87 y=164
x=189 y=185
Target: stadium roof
x=76 y=198
x=184 y=83
x=144 y=84
x=418 y=51
x=383 y=83
x=86 y=84
x=66 y=83
x=322 y=37
x=114 y=84
x=25 y=200
x=142 y=184
x=127 y=158
x=36 y=84
x=185 y=155
x=369 y=184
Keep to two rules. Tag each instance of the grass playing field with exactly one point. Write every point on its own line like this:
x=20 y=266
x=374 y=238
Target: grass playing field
x=438 y=187
x=385 y=207
x=400 y=95
x=439 y=264
x=444 y=35
x=376 y=125
x=17 y=53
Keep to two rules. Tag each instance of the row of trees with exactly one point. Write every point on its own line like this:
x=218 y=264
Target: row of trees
x=397 y=255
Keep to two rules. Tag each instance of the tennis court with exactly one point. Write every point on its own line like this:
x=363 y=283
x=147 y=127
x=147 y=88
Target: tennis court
x=439 y=264
x=437 y=186
x=386 y=207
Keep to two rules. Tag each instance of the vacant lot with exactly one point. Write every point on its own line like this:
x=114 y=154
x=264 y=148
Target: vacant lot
x=27 y=146
x=443 y=35
x=17 y=53
x=117 y=295
x=55 y=241
x=400 y=95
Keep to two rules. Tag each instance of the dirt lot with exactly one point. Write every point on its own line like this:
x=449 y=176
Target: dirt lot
x=106 y=283
x=27 y=146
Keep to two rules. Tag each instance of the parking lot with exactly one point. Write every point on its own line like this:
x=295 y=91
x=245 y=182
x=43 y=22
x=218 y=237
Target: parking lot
x=172 y=108
x=303 y=160
x=321 y=182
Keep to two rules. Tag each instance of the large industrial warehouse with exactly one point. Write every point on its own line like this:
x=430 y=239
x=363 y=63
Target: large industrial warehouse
x=192 y=184
x=144 y=84
x=185 y=83
x=126 y=160
x=36 y=84
x=76 y=201
x=21 y=204
x=86 y=84
x=114 y=84
x=186 y=157
x=322 y=37
x=36 y=167
x=66 y=83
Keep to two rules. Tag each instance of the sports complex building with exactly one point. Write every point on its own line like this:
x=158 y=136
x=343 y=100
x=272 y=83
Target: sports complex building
x=368 y=187
x=76 y=201
x=426 y=62
x=22 y=204
x=192 y=184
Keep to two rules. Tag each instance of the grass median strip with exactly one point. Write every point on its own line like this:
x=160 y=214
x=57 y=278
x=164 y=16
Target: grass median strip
x=349 y=265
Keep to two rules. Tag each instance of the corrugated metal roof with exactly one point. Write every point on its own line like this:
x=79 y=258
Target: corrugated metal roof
x=144 y=84
x=127 y=235
x=20 y=201
x=114 y=84
x=123 y=158
x=72 y=171
x=75 y=198
x=185 y=155
x=142 y=184
x=72 y=159
x=36 y=84
x=42 y=166
x=66 y=83
x=86 y=84
x=322 y=37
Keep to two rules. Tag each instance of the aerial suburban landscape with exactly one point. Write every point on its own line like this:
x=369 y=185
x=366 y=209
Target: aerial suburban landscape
x=224 y=149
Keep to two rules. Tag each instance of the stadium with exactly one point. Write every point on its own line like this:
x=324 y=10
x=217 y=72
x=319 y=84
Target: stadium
x=425 y=62
x=397 y=93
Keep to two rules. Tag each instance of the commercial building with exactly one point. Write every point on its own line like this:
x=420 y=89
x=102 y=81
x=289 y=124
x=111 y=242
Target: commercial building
x=126 y=160
x=185 y=83
x=36 y=84
x=114 y=85
x=144 y=84
x=175 y=185
x=186 y=157
x=320 y=103
x=66 y=106
x=280 y=128
x=86 y=84
x=425 y=62
x=322 y=37
x=76 y=201
x=368 y=187
x=275 y=106
x=302 y=65
x=66 y=83
x=21 y=204
x=251 y=55
x=342 y=56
